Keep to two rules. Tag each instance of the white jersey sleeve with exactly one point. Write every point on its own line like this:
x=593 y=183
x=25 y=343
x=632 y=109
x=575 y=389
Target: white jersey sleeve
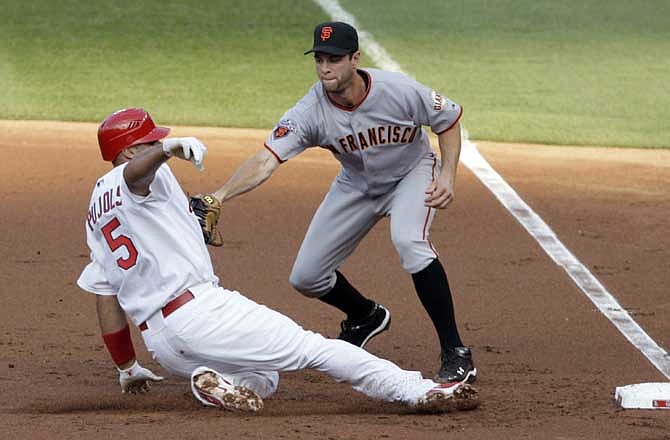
x=160 y=189
x=93 y=279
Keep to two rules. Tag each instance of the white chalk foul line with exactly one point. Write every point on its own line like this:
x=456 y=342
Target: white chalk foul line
x=585 y=280
x=533 y=223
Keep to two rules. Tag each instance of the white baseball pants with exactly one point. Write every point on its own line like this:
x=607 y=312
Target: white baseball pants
x=251 y=343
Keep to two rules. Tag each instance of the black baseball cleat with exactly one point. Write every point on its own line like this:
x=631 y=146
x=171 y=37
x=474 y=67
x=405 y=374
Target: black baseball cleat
x=361 y=331
x=457 y=366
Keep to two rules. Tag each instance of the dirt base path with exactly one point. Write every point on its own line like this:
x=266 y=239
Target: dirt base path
x=548 y=360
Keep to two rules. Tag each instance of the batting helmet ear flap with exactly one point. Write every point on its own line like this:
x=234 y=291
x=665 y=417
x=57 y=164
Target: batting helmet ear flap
x=125 y=128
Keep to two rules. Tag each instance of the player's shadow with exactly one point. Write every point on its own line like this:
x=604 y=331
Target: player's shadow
x=155 y=400
x=185 y=404
x=305 y=394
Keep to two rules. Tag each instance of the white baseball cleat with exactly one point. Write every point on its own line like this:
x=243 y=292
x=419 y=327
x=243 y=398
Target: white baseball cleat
x=213 y=389
x=446 y=397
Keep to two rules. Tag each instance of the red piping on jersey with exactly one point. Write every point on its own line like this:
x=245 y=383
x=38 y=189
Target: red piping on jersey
x=425 y=223
x=460 y=113
x=367 y=92
x=273 y=153
x=432 y=248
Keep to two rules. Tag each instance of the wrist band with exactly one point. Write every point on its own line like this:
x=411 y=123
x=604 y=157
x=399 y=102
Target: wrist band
x=120 y=346
x=128 y=371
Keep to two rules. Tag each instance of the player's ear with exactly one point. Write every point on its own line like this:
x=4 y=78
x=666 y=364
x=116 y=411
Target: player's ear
x=123 y=157
x=129 y=152
x=355 y=58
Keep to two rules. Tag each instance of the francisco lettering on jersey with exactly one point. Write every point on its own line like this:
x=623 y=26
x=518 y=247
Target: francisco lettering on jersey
x=106 y=202
x=376 y=136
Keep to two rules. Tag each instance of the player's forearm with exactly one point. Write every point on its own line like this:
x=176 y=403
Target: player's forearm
x=113 y=326
x=248 y=176
x=450 y=151
x=111 y=316
x=141 y=169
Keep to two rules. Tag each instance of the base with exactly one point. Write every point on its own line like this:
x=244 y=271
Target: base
x=644 y=396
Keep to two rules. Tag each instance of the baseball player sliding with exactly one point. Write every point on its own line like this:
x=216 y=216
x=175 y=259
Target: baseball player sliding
x=149 y=263
x=371 y=121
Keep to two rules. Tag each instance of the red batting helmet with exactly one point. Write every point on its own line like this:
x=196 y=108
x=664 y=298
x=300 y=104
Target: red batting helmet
x=125 y=128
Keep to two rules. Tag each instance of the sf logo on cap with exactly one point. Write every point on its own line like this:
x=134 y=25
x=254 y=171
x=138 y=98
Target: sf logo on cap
x=326 y=32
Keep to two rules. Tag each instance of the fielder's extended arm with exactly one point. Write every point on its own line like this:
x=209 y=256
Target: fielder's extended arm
x=254 y=171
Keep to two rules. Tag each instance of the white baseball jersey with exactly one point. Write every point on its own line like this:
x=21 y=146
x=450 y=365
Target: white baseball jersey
x=149 y=249
x=145 y=250
x=379 y=141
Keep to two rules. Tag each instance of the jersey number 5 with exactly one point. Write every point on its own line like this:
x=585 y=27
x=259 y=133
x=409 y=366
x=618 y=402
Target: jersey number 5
x=120 y=241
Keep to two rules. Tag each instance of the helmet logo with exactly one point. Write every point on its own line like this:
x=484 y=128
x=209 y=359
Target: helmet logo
x=133 y=124
x=326 y=33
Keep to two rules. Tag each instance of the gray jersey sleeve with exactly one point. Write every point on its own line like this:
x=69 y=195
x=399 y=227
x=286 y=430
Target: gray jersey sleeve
x=295 y=132
x=433 y=109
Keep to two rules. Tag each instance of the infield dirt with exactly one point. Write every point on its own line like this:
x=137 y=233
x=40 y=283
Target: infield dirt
x=548 y=360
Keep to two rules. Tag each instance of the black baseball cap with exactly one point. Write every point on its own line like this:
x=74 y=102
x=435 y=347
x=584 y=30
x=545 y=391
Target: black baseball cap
x=335 y=38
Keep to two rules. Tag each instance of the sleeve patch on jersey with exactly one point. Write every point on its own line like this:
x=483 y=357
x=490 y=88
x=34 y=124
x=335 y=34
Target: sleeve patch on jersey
x=281 y=132
x=438 y=101
x=285 y=127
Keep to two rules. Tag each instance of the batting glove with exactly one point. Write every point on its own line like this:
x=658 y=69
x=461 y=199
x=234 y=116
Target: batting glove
x=187 y=148
x=137 y=379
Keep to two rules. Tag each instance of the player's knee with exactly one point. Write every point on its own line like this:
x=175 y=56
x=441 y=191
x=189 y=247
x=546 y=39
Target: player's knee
x=414 y=254
x=404 y=244
x=305 y=283
x=298 y=280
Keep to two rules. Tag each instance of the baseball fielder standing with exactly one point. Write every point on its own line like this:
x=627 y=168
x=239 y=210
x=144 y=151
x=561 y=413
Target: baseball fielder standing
x=371 y=121
x=149 y=263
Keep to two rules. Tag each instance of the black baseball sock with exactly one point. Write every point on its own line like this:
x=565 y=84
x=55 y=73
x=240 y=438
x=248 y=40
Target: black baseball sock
x=432 y=286
x=345 y=297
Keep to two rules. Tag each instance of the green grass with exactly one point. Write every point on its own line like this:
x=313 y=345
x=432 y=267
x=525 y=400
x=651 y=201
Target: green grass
x=224 y=63
x=587 y=72
x=576 y=72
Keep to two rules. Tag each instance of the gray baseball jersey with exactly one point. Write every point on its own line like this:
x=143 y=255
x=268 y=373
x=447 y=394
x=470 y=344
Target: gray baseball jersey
x=387 y=164
x=377 y=142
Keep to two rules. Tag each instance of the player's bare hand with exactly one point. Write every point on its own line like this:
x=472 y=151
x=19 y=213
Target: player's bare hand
x=440 y=193
x=137 y=379
x=187 y=148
